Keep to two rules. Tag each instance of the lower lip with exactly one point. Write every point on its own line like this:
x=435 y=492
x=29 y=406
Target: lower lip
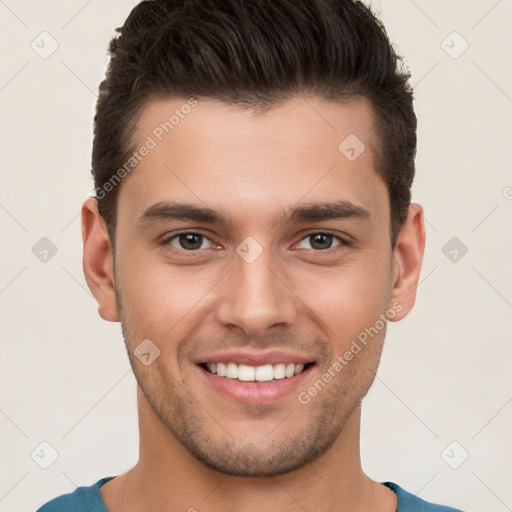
x=255 y=393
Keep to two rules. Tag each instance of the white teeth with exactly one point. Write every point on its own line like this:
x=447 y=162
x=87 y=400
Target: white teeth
x=232 y=371
x=245 y=372
x=264 y=373
x=248 y=373
x=279 y=371
x=221 y=369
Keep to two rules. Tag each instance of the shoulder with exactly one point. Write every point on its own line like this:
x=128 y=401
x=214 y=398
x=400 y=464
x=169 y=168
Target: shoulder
x=60 y=504
x=408 y=502
x=83 y=499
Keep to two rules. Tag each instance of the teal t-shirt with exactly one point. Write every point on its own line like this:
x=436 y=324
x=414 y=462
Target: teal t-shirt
x=88 y=499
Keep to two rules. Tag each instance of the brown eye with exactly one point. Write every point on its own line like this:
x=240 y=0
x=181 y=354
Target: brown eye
x=188 y=241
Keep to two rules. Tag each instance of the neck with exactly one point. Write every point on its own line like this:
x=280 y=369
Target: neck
x=168 y=477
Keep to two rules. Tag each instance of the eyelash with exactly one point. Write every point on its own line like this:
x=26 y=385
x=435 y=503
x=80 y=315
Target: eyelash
x=194 y=252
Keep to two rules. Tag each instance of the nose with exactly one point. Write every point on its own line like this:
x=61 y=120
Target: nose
x=255 y=296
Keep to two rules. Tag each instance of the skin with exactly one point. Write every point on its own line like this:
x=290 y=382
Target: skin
x=198 y=448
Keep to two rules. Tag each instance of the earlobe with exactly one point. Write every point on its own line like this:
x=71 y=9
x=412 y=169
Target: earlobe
x=407 y=260
x=98 y=261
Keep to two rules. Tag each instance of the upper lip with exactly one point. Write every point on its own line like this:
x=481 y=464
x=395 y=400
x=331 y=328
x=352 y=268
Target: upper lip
x=255 y=358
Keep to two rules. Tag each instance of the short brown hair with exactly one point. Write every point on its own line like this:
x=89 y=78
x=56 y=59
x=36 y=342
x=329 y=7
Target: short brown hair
x=253 y=54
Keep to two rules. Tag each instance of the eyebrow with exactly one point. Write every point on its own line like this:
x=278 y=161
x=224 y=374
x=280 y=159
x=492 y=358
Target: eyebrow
x=309 y=212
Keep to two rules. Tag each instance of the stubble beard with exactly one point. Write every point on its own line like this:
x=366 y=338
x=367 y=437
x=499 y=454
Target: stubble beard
x=241 y=454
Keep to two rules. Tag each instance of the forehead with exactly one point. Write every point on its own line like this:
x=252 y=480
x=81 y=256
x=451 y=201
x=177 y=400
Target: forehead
x=229 y=159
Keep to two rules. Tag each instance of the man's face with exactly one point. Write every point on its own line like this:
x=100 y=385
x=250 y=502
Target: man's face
x=258 y=286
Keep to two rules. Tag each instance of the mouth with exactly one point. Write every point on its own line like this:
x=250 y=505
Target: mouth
x=262 y=373
x=255 y=379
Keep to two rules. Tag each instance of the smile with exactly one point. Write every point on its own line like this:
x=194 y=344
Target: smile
x=262 y=373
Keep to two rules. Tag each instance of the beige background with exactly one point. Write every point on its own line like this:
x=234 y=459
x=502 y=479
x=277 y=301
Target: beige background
x=445 y=373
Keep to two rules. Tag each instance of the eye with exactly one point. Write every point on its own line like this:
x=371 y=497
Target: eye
x=191 y=241
x=321 y=241
x=188 y=241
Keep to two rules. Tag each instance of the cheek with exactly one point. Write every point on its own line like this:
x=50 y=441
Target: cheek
x=348 y=300
x=156 y=296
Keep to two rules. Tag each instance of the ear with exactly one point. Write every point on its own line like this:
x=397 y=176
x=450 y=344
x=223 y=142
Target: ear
x=98 y=261
x=407 y=260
